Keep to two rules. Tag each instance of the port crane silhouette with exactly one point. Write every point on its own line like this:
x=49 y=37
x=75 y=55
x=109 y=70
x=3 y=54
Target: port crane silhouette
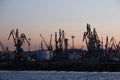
x=49 y=47
x=113 y=48
x=18 y=39
x=6 y=50
x=92 y=41
x=2 y=46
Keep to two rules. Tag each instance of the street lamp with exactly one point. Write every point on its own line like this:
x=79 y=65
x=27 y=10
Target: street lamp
x=72 y=41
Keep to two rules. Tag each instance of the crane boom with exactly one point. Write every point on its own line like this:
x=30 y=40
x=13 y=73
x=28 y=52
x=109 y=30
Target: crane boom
x=44 y=41
x=2 y=46
x=12 y=34
x=24 y=38
x=113 y=42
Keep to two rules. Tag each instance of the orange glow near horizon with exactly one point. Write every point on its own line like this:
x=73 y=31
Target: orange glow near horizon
x=36 y=40
x=47 y=17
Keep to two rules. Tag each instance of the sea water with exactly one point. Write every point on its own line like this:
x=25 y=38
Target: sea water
x=61 y=75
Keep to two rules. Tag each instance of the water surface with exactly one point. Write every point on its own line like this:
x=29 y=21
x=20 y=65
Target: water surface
x=53 y=75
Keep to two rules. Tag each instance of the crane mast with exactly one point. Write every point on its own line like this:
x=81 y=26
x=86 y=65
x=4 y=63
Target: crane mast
x=49 y=47
x=92 y=41
x=18 y=42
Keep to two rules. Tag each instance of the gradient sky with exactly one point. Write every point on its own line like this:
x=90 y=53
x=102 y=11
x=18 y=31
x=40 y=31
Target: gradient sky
x=33 y=17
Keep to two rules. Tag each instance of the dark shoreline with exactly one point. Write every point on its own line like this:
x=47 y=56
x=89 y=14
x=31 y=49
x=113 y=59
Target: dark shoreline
x=63 y=66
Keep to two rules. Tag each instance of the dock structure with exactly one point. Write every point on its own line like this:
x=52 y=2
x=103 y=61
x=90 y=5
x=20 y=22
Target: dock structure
x=62 y=54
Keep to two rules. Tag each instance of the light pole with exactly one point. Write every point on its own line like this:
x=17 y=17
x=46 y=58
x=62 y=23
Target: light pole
x=73 y=42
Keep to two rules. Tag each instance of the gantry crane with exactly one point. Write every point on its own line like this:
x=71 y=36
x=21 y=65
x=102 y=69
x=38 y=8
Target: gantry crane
x=60 y=40
x=6 y=51
x=18 y=41
x=2 y=46
x=113 y=48
x=87 y=36
x=61 y=43
x=92 y=41
x=49 y=47
x=113 y=43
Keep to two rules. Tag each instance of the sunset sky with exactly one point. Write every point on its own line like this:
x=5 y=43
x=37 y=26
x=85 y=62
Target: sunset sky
x=35 y=17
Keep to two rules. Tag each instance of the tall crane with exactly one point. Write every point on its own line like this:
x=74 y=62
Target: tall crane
x=61 y=43
x=113 y=43
x=87 y=36
x=61 y=38
x=18 y=42
x=113 y=48
x=2 y=46
x=18 y=39
x=6 y=51
x=49 y=47
x=92 y=41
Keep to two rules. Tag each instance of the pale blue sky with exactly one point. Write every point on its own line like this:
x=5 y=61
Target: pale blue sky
x=46 y=16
